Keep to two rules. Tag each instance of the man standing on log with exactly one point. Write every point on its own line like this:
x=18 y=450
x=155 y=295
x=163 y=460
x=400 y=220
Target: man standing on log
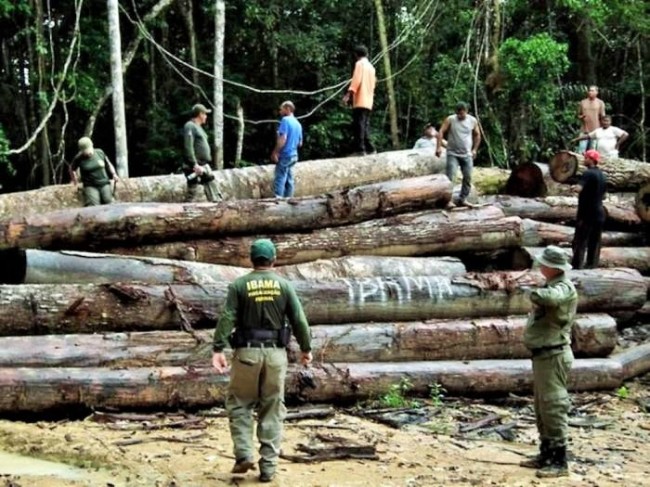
x=590 y=111
x=361 y=93
x=463 y=139
x=591 y=214
x=608 y=138
x=92 y=164
x=257 y=307
x=548 y=337
x=197 y=168
x=285 y=154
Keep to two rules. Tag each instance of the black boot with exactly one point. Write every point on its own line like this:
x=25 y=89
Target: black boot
x=557 y=467
x=539 y=460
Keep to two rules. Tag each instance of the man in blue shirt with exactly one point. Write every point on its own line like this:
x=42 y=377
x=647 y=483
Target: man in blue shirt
x=285 y=154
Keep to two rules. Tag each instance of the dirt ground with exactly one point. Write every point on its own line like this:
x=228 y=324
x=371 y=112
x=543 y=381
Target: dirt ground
x=610 y=435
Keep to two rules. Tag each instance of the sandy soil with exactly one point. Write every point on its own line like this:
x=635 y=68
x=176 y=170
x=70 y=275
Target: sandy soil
x=609 y=443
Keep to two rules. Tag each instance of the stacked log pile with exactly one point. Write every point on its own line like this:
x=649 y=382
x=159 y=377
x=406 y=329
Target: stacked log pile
x=377 y=261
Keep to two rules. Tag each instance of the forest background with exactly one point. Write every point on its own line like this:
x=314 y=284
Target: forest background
x=522 y=65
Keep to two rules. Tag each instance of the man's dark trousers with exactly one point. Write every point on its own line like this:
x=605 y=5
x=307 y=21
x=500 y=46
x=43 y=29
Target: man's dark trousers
x=587 y=237
x=361 y=130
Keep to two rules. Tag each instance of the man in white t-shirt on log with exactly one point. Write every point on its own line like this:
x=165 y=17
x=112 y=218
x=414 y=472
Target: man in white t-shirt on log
x=607 y=138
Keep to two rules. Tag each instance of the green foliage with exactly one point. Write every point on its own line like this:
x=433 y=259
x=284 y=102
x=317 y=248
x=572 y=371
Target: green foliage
x=623 y=392
x=5 y=163
x=396 y=396
x=436 y=394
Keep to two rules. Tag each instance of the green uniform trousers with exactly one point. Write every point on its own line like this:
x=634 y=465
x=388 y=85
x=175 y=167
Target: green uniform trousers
x=94 y=195
x=257 y=383
x=552 y=402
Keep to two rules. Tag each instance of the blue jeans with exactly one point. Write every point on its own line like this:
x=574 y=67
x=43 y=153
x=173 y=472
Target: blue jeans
x=466 y=165
x=283 y=185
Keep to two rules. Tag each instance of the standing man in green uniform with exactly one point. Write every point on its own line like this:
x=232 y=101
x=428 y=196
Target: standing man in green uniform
x=548 y=337
x=92 y=165
x=197 y=168
x=257 y=307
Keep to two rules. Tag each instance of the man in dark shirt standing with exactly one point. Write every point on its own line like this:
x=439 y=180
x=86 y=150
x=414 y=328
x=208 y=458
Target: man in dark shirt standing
x=591 y=214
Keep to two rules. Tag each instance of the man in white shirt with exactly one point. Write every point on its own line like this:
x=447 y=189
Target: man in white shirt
x=607 y=139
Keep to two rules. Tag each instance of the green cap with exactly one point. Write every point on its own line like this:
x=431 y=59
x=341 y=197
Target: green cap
x=200 y=108
x=263 y=248
x=85 y=144
x=554 y=257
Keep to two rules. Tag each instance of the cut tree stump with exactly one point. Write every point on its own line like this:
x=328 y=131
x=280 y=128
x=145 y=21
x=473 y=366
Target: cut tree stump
x=121 y=223
x=594 y=335
x=621 y=174
x=90 y=308
x=532 y=180
x=43 y=389
x=33 y=266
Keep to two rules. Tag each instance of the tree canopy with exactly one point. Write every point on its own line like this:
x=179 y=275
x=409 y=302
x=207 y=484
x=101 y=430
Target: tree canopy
x=522 y=66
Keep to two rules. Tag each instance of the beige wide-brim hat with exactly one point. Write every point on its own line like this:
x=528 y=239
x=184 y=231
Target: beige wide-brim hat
x=555 y=258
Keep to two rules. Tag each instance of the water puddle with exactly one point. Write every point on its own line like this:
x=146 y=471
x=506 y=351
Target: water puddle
x=12 y=464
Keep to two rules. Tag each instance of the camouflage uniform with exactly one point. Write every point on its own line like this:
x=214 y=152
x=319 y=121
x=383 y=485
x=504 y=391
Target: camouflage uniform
x=548 y=337
x=256 y=306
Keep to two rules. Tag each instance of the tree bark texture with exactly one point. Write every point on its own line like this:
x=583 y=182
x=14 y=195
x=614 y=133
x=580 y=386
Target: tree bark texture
x=219 y=42
x=41 y=389
x=103 y=226
x=621 y=174
x=33 y=266
x=28 y=309
x=245 y=183
x=537 y=234
x=594 y=335
x=631 y=257
x=390 y=89
x=642 y=203
x=558 y=209
x=413 y=234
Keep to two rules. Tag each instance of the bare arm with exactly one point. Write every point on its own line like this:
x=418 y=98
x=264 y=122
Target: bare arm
x=440 y=135
x=476 y=138
x=621 y=139
x=279 y=144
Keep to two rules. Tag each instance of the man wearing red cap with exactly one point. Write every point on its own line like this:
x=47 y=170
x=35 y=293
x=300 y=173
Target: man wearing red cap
x=591 y=214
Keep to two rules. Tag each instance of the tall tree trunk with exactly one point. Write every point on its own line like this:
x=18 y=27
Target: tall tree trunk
x=643 y=99
x=129 y=55
x=43 y=143
x=119 y=116
x=187 y=10
x=383 y=42
x=241 y=128
x=584 y=53
x=219 y=40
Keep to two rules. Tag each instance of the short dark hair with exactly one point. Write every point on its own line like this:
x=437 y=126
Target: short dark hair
x=262 y=262
x=360 y=50
x=461 y=105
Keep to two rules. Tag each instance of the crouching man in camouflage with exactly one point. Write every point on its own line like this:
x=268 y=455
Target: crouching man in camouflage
x=548 y=337
x=257 y=306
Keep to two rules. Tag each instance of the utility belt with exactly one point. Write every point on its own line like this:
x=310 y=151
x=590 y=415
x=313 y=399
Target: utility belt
x=536 y=352
x=260 y=338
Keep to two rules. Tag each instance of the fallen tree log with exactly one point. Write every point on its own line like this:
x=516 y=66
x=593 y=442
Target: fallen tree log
x=537 y=234
x=642 y=203
x=102 y=226
x=558 y=209
x=43 y=389
x=621 y=174
x=248 y=183
x=594 y=335
x=88 y=308
x=33 y=266
x=412 y=234
x=630 y=257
